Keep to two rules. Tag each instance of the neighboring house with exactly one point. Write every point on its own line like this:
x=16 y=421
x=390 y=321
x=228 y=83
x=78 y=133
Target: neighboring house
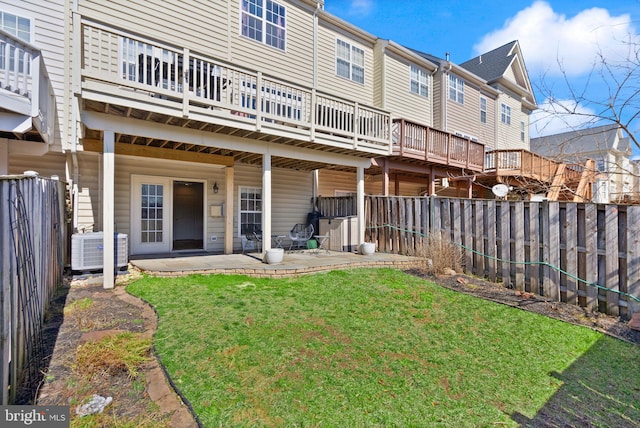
x=183 y=125
x=607 y=146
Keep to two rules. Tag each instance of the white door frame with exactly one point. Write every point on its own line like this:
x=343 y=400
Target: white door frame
x=138 y=247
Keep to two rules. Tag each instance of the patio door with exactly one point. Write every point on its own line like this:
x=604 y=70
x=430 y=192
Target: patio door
x=151 y=205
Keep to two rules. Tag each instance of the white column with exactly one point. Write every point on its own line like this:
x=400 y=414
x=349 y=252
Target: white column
x=228 y=210
x=360 y=203
x=108 y=218
x=266 y=202
x=4 y=156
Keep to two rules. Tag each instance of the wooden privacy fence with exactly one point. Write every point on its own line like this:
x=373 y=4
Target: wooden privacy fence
x=582 y=254
x=32 y=250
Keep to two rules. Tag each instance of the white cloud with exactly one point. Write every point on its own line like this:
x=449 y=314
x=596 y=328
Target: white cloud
x=360 y=7
x=548 y=37
x=557 y=116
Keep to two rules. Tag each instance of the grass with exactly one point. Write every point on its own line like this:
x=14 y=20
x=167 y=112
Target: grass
x=380 y=348
x=123 y=352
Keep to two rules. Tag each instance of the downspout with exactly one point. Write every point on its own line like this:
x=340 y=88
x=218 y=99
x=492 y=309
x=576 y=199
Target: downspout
x=432 y=95
x=314 y=85
x=75 y=113
x=445 y=96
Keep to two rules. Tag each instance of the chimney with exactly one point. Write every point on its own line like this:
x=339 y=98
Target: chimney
x=480 y=59
x=447 y=56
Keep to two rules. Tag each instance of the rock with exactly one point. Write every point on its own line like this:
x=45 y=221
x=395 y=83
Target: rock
x=95 y=405
x=448 y=272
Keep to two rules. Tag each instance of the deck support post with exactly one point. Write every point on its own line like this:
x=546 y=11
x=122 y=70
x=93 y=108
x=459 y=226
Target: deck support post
x=4 y=156
x=108 y=202
x=229 y=212
x=360 y=203
x=266 y=200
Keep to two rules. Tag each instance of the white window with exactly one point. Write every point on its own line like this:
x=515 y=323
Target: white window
x=505 y=114
x=419 y=82
x=17 y=26
x=265 y=22
x=250 y=209
x=456 y=89
x=483 y=110
x=349 y=61
x=521 y=131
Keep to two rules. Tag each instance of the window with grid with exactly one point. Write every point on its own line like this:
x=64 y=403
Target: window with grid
x=264 y=21
x=521 y=131
x=483 y=110
x=505 y=114
x=16 y=26
x=250 y=209
x=419 y=82
x=349 y=61
x=456 y=89
x=152 y=225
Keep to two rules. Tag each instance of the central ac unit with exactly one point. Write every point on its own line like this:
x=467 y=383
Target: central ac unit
x=87 y=251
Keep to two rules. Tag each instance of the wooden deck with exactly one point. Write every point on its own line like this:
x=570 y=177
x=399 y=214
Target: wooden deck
x=133 y=75
x=420 y=142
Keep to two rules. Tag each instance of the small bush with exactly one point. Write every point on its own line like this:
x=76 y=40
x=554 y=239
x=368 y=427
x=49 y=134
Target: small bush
x=439 y=254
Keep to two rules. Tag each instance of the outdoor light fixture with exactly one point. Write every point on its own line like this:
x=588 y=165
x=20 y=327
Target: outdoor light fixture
x=215 y=187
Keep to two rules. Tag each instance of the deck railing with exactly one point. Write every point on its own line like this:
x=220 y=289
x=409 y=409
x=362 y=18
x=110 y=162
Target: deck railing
x=213 y=87
x=423 y=142
x=521 y=163
x=26 y=86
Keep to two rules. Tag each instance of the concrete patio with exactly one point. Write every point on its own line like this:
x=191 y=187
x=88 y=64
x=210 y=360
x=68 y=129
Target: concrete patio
x=294 y=263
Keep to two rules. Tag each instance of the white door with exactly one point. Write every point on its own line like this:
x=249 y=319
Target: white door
x=151 y=203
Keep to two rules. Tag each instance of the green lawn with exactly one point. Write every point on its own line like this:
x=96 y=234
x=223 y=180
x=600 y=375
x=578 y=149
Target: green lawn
x=377 y=347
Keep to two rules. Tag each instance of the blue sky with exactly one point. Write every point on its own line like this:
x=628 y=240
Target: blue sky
x=570 y=32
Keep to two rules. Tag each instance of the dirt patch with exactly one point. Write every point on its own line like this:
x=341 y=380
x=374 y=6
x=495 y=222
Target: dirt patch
x=613 y=326
x=83 y=311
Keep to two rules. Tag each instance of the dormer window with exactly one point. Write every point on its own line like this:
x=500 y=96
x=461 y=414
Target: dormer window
x=264 y=21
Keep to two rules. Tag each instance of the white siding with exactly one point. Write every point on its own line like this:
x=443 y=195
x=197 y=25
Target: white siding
x=47 y=165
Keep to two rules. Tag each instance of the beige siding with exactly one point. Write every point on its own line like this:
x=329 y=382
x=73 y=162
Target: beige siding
x=330 y=181
x=47 y=165
x=464 y=118
x=399 y=99
x=293 y=65
x=213 y=29
x=328 y=80
x=379 y=66
x=508 y=136
x=439 y=98
x=291 y=193
x=47 y=19
x=200 y=26
x=487 y=131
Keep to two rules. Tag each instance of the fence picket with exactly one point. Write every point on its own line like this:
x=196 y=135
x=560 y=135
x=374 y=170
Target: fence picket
x=571 y=253
x=478 y=238
x=591 y=255
x=534 y=247
x=611 y=263
x=517 y=222
x=505 y=242
x=491 y=241
x=468 y=236
x=633 y=257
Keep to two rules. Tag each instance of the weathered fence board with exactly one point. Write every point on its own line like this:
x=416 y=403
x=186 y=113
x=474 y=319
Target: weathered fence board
x=32 y=246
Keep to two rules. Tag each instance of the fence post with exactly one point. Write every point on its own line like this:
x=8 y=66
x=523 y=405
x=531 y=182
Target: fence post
x=612 y=262
x=633 y=258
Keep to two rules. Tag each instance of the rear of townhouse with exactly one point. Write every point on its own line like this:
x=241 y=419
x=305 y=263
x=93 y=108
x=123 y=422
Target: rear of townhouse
x=181 y=124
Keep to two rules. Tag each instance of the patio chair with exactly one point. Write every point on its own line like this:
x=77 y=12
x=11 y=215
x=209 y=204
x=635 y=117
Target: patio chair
x=300 y=234
x=251 y=238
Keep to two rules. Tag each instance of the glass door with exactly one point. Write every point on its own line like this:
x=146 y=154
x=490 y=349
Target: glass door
x=150 y=230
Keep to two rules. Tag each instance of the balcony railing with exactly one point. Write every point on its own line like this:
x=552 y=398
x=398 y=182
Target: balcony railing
x=522 y=163
x=25 y=88
x=210 y=87
x=423 y=142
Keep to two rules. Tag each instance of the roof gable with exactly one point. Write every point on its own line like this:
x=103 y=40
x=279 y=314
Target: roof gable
x=503 y=65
